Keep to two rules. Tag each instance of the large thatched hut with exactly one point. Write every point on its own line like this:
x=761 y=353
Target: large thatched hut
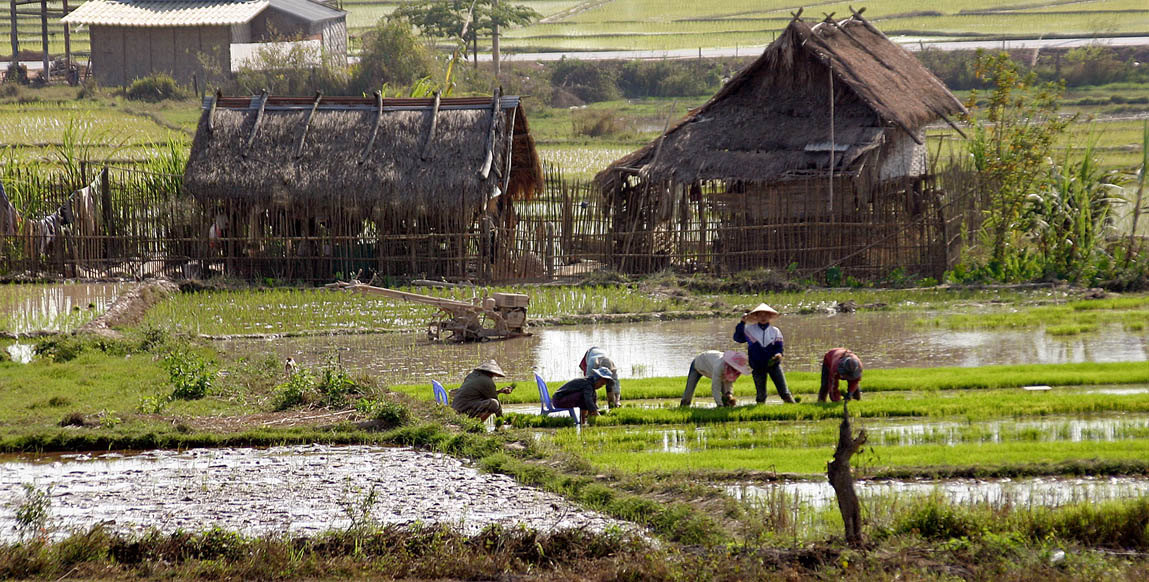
x=773 y=172
x=332 y=185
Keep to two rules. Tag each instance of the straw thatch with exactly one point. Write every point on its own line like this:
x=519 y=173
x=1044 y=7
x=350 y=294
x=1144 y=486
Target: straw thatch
x=401 y=173
x=771 y=121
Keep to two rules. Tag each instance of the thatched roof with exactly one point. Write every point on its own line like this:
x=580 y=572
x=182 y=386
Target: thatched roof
x=401 y=170
x=771 y=121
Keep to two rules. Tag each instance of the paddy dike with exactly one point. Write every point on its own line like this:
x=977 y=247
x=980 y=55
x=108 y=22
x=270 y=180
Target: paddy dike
x=297 y=490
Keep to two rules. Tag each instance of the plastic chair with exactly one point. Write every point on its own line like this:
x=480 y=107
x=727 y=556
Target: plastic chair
x=440 y=392
x=547 y=407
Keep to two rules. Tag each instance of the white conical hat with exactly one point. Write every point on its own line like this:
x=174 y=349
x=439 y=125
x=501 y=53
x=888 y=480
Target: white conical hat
x=492 y=367
x=762 y=307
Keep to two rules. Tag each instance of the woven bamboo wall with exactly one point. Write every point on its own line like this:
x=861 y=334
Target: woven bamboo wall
x=142 y=225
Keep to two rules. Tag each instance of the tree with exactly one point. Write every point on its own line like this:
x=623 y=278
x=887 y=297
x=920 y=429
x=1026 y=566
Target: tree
x=1012 y=141
x=392 y=55
x=465 y=20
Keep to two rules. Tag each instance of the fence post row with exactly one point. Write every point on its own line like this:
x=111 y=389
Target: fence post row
x=146 y=224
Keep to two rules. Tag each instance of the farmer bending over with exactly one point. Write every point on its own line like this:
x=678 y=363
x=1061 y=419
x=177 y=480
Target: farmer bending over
x=477 y=396
x=764 y=344
x=596 y=358
x=580 y=393
x=723 y=368
x=840 y=364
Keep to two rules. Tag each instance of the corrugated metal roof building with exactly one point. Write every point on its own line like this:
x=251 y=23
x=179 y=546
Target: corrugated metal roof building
x=192 y=38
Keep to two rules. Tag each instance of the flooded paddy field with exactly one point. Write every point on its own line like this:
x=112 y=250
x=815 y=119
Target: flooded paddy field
x=31 y=308
x=665 y=348
x=1021 y=493
x=299 y=489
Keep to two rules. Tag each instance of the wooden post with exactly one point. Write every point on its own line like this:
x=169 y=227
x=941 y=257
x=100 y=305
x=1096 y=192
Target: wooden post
x=495 y=37
x=15 y=38
x=830 y=201
x=45 y=76
x=842 y=480
x=67 y=44
x=109 y=223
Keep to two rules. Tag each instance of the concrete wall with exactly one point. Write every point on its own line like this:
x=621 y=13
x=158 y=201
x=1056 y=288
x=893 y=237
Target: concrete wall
x=122 y=54
x=273 y=25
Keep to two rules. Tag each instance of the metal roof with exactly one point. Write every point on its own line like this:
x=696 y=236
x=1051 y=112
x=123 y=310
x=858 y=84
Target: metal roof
x=307 y=10
x=165 y=12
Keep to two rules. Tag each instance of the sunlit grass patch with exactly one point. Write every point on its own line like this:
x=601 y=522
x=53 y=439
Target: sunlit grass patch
x=1071 y=318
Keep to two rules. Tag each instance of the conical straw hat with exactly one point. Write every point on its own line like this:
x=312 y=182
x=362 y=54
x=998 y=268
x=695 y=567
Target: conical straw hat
x=762 y=307
x=492 y=367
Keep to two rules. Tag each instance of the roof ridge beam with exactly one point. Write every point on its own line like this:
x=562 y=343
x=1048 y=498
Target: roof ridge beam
x=307 y=124
x=374 y=130
x=258 y=120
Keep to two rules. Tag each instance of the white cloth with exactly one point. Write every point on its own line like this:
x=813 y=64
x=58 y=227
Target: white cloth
x=762 y=337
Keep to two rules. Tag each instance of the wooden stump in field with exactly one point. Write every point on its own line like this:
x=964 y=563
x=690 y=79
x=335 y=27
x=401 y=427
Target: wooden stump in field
x=842 y=479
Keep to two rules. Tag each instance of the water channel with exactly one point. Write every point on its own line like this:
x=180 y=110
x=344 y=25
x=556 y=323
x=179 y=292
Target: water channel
x=1033 y=492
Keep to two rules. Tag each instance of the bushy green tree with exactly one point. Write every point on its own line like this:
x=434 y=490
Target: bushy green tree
x=466 y=20
x=392 y=55
x=1012 y=141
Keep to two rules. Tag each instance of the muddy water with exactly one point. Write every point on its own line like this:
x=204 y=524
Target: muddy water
x=26 y=309
x=302 y=489
x=1036 y=492
x=1065 y=429
x=652 y=349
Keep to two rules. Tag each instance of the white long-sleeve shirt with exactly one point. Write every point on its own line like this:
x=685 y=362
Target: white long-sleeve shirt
x=710 y=364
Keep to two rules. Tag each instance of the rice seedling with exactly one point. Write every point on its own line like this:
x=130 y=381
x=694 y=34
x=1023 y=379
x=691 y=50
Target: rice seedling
x=1071 y=318
x=909 y=382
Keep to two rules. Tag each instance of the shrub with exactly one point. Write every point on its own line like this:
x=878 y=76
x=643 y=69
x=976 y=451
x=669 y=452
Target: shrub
x=391 y=55
x=191 y=374
x=389 y=414
x=155 y=87
x=295 y=390
x=587 y=80
x=72 y=419
x=601 y=123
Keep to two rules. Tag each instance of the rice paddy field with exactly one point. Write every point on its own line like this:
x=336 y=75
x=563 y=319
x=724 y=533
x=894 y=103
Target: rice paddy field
x=302 y=311
x=666 y=24
x=94 y=130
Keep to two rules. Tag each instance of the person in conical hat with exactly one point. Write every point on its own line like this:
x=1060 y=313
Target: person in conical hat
x=477 y=396
x=764 y=347
x=723 y=368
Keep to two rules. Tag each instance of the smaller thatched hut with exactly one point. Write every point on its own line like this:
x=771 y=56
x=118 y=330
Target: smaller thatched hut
x=812 y=156
x=394 y=186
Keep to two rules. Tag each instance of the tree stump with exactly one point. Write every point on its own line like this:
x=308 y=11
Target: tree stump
x=842 y=480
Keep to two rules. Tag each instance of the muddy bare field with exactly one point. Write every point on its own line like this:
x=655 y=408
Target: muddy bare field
x=300 y=489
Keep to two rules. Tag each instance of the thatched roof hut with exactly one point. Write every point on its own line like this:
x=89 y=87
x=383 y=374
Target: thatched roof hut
x=826 y=128
x=770 y=122
x=413 y=156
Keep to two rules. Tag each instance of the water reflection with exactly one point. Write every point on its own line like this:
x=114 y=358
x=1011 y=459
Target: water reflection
x=655 y=349
x=61 y=308
x=1044 y=492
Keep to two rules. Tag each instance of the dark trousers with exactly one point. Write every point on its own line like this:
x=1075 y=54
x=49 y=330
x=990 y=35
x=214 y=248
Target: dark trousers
x=777 y=376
